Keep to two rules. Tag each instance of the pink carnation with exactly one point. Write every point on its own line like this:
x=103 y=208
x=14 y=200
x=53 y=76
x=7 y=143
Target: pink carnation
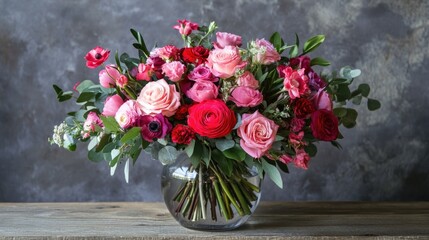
x=224 y=39
x=246 y=97
x=295 y=82
x=185 y=27
x=264 y=52
x=174 y=70
x=128 y=114
x=247 y=80
x=202 y=90
x=111 y=105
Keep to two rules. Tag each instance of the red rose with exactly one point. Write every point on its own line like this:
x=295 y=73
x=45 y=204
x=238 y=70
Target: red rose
x=303 y=108
x=97 y=56
x=211 y=118
x=181 y=112
x=197 y=55
x=324 y=125
x=182 y=134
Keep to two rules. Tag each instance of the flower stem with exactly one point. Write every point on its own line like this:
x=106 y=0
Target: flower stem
x=200 y=185
x=242 y=201
x=219 y=199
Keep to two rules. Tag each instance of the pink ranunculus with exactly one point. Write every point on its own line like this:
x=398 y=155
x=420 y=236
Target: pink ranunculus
x=97 y=56
x=92 y=120
x=257 y=134
x=322 y=100
x=128 y=114
x=159 y=97
x=301 y=159
x=185 y=27
x=111 y=105
x=174 y=70
x=248 y=80
x=295 y=82
x=264 y=52
x=144 y=72
x=246 y=97
x=202 y=90
x=202 y=73
x=224 y=39
x=168 y=53
x=122 y=81
x=224 y=62
x=108 y=76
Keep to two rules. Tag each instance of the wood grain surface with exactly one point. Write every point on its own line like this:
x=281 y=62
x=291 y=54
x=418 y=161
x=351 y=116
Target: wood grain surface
x=272 y=220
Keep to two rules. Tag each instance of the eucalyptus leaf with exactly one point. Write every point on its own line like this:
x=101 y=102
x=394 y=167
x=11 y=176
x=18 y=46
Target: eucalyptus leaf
x=167 y=155
x=84 y=85
x=110 y=124
x=340 y=112
x=224 y=144
x=93 y=143
x=127 y=170
x=364 y=89
x=373 y=104
x=273 y=173
x=235 y=153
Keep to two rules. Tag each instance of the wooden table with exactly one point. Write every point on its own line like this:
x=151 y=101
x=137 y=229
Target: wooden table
x=272 y=220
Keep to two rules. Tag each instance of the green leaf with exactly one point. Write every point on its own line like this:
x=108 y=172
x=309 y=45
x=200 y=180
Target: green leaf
x=57 y=89
x=85 y=96
x=340 y=112
x=293 y=52
x=105 y=139
x=189 y=150
x=277 y=41
x=167 y=155
x=336 y=144
x=197 y=154
x=224 y=144
x=84 y=85
x=313 y=43
x=131 y=134
x=357 y=99
x=273 y=173
x=235 y=153
x=319 y=61
x=207 y=155
x=69 y=142
x=343 y=93
x=93 y=143
x=224 y=164
x=95 y=156
x=110 y=124
x=115 y=153
x=311 y=149
x=349 y=73
x=282 y=166
x=351 y=114
x=364 y=89
x=373 y=104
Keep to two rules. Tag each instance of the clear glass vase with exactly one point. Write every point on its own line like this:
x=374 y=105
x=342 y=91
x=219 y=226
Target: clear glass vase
x=227 y=201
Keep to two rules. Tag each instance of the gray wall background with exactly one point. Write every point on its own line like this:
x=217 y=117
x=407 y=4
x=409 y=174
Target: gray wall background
x=386 y=157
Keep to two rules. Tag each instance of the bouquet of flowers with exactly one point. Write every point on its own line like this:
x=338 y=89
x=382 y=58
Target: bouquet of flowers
x=231 y=107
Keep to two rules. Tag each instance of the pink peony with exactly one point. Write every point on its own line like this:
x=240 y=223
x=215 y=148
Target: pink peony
x=224 y=39
x=246 y=97
x=185 y=27
x=202 y=90
x=159 y=97
x=202 y=73
x=174 y=70
x=128 y=114
x=92 y=120
x=322 y=100
x=247 y=80
x=144 y=72
x=108 y=76
x=224 y=62
x=295 y=82
x=264 y=52
x=112 y=104
x=257 y=134
x=97 y=56
x=153 y=127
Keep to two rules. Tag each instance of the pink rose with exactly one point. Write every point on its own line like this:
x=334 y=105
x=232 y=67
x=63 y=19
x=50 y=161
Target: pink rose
x=159 y=97
x=246 y=97
x=168 y=53
x=92 y=120
x=224 y=39
x=202 y=73
x=108 y=76
x=144 y=72
x=322 y=100
x=264 y=52
x=174 y=70
x=202 y=90
x=112 y=104
x=295 y=82
x=257 y=134
x=247 y=80
x=224 y=62
x=186 y=27
x=128 y=114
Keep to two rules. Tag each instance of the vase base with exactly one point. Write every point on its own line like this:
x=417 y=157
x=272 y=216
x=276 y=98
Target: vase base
x=213 y=226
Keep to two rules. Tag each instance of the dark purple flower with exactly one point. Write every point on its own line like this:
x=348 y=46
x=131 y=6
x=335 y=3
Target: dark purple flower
x=154 y=127
x=315 y=81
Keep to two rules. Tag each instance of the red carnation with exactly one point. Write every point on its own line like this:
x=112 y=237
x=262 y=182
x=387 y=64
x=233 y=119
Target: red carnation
x=324 y=125
x=303 y=108
x=181 y=112
x=182 y=134
x=211 y=118
x=197 y=55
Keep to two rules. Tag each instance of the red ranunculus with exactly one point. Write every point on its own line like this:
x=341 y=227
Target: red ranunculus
x=182 y=134
x=197 y=55
x=211 y=118
x=303 y=108
x=324 y=125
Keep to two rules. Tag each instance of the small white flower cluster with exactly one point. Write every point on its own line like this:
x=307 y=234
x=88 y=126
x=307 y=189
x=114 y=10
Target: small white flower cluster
x=59 y=131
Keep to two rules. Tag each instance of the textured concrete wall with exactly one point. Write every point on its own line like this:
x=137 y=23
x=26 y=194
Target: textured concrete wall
x=386 y=157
